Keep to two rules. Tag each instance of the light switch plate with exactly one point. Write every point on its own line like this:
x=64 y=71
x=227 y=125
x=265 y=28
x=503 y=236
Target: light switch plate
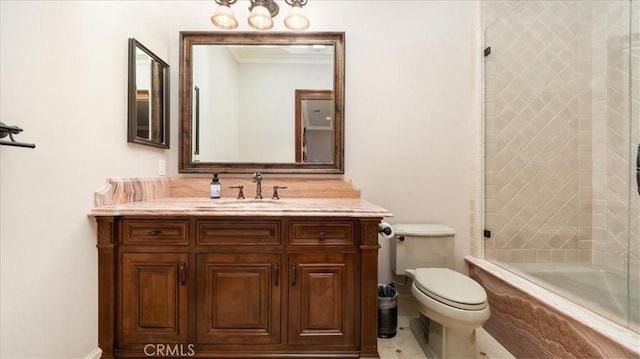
x=162 y=168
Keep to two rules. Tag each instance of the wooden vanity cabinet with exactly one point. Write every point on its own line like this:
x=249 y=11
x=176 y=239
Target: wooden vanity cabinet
x=238 y=299
x=238 y=287
x=322 y=300
x=154 y=298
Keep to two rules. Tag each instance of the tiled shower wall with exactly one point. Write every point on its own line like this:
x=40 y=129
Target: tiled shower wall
x=556 y=132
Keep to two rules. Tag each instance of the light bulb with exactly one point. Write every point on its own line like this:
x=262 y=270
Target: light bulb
x=260 y=18
x=223 y=18
x=296 y=20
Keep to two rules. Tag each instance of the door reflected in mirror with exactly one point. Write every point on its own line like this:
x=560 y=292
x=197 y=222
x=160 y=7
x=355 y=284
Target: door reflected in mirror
x=244 y=106
x=148 y=121
x=314 y=126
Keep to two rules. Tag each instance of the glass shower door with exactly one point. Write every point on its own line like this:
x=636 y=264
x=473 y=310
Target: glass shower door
x=562 y=84
x=536 y=125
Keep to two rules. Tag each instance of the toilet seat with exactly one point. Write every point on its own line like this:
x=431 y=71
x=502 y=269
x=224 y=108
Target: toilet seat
x=451 y=288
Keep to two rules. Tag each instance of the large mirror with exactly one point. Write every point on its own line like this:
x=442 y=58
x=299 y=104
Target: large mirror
x=269 y=102
x=148 y=102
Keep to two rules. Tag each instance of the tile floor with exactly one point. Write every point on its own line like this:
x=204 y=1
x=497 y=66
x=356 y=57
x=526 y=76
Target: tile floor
x=405 y=346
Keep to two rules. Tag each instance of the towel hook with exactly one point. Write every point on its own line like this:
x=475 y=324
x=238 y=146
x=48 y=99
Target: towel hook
x=10 y=131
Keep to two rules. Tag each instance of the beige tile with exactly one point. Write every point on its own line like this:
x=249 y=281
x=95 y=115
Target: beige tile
x=516 y=255
x=571 y=256
x=585 y=255
x=544 y=256
x=557 y=255
x=489 y=348
x=529 y=255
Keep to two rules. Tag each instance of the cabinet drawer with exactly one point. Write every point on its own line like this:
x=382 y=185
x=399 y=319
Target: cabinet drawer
x=239 y=233
x=321 y=233
x=155 y=232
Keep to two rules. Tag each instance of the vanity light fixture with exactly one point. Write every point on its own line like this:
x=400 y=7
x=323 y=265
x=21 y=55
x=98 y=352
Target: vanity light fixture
x=296 y=20
x=223 y=16
x=261 y=14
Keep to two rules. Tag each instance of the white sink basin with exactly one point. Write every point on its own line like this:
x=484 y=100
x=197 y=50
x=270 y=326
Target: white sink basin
x=240 y=203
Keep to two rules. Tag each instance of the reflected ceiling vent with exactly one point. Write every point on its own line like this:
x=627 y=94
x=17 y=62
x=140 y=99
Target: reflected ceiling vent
x=318 y=114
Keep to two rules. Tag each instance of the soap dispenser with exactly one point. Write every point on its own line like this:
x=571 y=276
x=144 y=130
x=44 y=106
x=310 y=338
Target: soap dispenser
x=214 y=190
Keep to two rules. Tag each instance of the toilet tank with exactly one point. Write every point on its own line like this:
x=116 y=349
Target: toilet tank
x=421 y=246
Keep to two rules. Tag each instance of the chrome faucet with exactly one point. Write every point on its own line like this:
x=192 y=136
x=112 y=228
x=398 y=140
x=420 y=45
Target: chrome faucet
x=257 y=179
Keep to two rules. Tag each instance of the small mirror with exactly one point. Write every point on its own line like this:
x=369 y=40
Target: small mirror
x=148 y=107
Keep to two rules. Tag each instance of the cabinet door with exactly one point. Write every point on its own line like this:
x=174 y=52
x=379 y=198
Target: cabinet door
x=154 y=298
x=321 y=299
x=238 y=298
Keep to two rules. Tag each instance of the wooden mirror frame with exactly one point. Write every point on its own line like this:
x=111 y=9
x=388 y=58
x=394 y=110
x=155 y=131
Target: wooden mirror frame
x=190 y=38
x=159 y=113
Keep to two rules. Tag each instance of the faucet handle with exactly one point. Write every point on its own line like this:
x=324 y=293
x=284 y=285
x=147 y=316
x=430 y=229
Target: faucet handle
x=240 y=192
x=275 y=191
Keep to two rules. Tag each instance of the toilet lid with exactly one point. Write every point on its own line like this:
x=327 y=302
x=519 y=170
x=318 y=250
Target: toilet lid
x=451 y=288
x=426 y=230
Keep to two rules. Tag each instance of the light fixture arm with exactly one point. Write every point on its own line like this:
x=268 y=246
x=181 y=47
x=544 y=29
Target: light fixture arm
x=271 y=5
x=298 y=3
x=225 y=2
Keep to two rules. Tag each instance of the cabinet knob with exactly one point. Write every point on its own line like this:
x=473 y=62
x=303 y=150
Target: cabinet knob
x=322 y=234
x=154 y=232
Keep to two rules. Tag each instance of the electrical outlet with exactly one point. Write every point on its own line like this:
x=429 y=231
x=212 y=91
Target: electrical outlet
x=162 y=168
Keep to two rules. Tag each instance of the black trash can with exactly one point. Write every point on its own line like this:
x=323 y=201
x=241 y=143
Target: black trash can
x=387 y=311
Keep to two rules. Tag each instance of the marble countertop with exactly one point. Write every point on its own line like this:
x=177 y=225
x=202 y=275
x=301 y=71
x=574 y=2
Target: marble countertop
x=198 y=206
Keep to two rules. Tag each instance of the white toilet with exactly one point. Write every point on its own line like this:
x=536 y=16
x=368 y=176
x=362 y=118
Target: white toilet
x=452 y=305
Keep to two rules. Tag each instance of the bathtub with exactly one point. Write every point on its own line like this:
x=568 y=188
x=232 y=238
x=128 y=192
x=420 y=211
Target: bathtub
x=532 y=322
x=604 y=290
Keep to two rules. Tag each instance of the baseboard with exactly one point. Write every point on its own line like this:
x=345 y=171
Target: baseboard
x=95 y=354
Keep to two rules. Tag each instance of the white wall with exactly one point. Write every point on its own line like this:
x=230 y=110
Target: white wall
x=63 y=75
x=217 y=102
x=63 y=79
x=268 y=98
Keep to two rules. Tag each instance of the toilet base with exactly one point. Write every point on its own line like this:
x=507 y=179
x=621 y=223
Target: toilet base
x=421 y=334
x=439 y=342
